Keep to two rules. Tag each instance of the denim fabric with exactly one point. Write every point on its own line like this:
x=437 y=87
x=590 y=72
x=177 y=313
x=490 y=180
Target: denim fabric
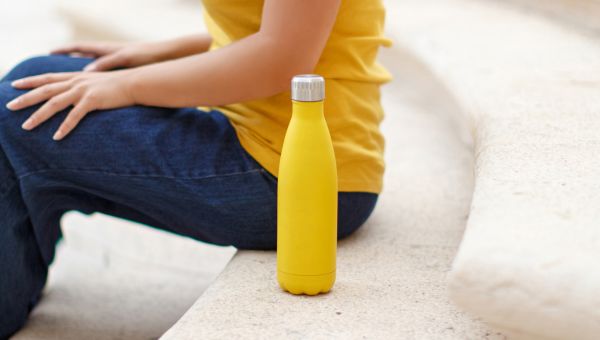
x=180 y=170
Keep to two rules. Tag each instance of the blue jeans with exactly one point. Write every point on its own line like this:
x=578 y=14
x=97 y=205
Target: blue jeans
x=180 y=170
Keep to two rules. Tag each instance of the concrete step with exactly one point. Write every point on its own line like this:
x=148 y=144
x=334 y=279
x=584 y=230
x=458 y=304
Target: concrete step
x=113 y=279
x=391 y=273
x=529 y=88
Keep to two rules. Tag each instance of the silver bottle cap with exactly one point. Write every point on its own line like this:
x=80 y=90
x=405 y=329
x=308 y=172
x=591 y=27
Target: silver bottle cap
x=308 y=88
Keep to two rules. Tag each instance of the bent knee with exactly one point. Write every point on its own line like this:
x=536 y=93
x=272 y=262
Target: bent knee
x=46 y=64
x=7 y=93
x=10 y=121
x=29 y=67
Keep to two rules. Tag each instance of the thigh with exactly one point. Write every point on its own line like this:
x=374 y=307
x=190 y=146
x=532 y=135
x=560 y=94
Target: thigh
x=179 y=170
x=138 y=140
x=182 y=170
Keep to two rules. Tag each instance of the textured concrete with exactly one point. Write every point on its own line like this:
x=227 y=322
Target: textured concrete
x=391 y=274
x=529 y=259
x=113 y=279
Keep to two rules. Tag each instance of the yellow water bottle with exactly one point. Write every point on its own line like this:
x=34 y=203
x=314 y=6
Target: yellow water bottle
x=307 y=195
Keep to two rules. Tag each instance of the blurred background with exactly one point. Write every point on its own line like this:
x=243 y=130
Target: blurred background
x=33 y=27
x=53 y=22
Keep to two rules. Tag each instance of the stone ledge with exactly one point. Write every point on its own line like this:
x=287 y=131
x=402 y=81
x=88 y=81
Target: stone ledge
x=391 y=273
x=114 y=279
x=528 y=262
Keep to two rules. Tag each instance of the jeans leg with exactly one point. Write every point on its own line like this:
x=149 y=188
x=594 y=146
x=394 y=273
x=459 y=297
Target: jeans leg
x=22 y=269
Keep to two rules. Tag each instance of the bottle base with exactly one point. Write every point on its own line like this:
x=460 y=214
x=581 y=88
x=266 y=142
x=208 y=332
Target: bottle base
x=305 y=284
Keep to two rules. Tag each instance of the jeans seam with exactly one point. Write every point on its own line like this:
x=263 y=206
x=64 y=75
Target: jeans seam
x=135 y=175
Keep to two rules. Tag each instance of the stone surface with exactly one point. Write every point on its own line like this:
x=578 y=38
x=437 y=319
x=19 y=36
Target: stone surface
x=529 y=260
x=392 y=273
x=113 y=279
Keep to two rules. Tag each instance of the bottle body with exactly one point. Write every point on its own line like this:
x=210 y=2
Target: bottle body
x=307 y=204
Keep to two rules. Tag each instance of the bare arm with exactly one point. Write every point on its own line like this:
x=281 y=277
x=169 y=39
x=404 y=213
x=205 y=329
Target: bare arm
x=183 y=46
x=112 y=55
x=290 y=41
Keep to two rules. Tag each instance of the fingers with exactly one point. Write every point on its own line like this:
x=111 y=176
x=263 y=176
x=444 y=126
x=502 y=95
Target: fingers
x=83 y=55
x=37 y=95
x=73 y=119
x=73 y=48
x=88 y=49
x=43 y=79
x=106 y=63
x=50 y=108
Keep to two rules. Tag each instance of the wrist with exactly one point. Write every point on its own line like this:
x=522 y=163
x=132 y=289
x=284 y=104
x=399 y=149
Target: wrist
x=130 y=84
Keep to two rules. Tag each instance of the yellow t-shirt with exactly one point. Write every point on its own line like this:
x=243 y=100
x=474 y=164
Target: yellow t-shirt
x=352 y=80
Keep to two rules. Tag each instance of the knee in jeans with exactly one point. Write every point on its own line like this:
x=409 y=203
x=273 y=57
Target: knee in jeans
x=30 y=66
x=46 y=64
x=7 y=93
x=10 y=121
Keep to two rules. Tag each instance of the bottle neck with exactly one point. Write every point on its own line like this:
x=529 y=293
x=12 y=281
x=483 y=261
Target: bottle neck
x=307 y=110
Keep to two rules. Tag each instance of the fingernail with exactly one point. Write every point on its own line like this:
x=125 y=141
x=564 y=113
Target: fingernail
x=89 y=67
x=17 y=83
x=57 y=135
x=27 y=125
x=11 y=105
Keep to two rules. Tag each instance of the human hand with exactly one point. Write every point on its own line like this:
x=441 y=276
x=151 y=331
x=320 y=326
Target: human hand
x=111 y=55
x=85 y=91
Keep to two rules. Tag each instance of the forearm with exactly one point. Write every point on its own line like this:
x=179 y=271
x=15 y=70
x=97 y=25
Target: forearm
x=290 y=41
x=183 y=46
x=254 y=67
